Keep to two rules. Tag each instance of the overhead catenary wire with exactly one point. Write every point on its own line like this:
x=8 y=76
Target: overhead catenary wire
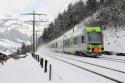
x=34 y=21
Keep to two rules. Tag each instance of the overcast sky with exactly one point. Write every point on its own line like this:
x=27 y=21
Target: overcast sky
x=15 y=8
x=50 y=7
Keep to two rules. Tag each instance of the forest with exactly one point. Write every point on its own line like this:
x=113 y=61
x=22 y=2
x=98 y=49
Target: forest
x=108 y=13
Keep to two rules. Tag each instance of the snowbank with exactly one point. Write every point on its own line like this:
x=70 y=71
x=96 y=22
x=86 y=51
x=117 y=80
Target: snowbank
x=22 y=71
x=114 y=40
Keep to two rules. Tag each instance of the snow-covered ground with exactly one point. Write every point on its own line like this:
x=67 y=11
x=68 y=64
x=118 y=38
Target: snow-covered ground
x=114 y=40
x=7 y=43
x=29 y=70
x=25 y=70
x=70 y=74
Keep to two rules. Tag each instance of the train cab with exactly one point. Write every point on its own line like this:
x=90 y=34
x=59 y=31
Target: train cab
x=95 y=40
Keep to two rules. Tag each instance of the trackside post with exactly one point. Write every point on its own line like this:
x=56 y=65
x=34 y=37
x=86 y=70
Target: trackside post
x=45 y=68
x=50 y=72
x=41 y=62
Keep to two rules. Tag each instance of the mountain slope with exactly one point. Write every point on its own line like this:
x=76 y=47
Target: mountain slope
x=11 y=40
x=14 y=35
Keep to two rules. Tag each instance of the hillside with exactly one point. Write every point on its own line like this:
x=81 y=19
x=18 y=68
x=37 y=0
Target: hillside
x=11 y=40
x=103 y=13
x=14 y=35
x=114 y=40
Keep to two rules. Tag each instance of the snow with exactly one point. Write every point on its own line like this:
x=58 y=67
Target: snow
x=22 y=41
x=100 y=70
x=19 y=40
x=25 y=70
x=69 y=74
x=114 y=40
x=82 y=24
x=28 y=70
x=11 y=40
x=110 y=64
x=7 y=46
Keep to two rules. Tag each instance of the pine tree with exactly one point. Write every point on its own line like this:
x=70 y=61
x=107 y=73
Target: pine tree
x=92 y=4
x=101 y=1
x=18 y=52
x=23 y=49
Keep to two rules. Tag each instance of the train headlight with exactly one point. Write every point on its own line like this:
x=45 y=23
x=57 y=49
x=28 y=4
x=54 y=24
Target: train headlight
x=90 y=45
x=88 y=48
x=100 y=45
x=102 y=48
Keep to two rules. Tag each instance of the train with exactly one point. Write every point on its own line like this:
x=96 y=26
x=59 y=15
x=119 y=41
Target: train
x=87 y=41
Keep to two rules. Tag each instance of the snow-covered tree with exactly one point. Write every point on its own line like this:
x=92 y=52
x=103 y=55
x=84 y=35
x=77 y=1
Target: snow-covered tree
x=111 y=11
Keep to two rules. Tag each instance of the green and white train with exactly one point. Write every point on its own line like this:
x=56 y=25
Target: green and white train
x=86 y=42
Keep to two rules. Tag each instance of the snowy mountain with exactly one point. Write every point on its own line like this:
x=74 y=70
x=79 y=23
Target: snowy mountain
x=7 y=46
x=11 y=40
x=14 y=35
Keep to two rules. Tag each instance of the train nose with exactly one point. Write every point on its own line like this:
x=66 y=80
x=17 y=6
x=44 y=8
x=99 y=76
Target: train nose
x=96 y=50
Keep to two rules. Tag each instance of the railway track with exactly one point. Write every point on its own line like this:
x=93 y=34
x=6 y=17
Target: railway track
x=112 y=59
x=105 y=76
x=91 y=64
x=116 y=53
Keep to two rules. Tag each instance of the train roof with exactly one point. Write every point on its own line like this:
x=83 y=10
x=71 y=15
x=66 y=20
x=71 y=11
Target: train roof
x=75 y=31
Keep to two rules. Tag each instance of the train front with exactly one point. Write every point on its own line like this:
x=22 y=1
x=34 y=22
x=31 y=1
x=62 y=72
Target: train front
x=95 y=45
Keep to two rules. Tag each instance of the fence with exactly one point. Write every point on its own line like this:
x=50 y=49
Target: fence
x=44 y=63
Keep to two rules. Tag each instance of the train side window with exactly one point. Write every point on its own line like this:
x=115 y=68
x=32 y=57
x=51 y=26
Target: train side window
x=53 y=46
x=80 y=39
x=83 y=39
x=75 y=40
x=56 y=45
x=68 y=42
x=65 y=43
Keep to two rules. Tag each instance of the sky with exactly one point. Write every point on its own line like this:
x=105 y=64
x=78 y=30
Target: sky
x=49 y=7
x=14 y=9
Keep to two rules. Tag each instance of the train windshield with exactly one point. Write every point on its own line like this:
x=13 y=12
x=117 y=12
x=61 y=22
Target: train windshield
x=95 y=37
